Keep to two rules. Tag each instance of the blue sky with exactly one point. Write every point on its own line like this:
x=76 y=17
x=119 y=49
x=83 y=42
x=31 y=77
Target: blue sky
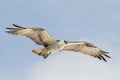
x=95 y=21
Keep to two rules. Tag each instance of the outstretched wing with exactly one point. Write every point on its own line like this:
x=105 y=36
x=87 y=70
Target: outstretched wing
x=38 y=35
x=86 y=48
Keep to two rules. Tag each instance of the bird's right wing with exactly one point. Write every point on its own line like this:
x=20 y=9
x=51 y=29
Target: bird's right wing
x=38 y=35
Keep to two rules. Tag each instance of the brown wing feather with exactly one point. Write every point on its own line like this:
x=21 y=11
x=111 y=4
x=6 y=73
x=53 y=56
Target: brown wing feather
x=45 y=37
x=36 y=34
x=86 y=48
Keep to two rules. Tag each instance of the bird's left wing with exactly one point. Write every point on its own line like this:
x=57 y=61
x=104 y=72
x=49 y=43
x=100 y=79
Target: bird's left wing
x=86 y=48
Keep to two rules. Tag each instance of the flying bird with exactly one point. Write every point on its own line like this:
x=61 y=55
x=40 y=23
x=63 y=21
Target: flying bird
x=41 y=37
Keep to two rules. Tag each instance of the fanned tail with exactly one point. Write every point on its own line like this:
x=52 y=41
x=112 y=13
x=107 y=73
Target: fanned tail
x=40 y=51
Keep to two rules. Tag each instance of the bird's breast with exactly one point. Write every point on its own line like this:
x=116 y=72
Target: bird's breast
x=55 y=47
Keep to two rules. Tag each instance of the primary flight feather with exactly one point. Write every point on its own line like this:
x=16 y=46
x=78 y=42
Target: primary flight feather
x=51 y=45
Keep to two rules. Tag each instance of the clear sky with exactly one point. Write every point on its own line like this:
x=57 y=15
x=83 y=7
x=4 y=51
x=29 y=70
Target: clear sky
x=95 y=21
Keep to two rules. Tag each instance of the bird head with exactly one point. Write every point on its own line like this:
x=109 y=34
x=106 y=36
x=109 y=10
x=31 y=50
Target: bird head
x=63 y=42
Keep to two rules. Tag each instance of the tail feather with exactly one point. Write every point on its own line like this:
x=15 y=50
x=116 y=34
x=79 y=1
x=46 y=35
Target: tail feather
x=40 y=51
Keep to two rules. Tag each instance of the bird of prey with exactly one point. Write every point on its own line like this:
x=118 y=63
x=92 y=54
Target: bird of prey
x=51 y=45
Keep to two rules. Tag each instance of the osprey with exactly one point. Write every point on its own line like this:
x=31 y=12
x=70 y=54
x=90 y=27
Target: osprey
x=51 y=45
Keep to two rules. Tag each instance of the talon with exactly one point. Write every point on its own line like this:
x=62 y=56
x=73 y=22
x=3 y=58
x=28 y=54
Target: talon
x=45 y=56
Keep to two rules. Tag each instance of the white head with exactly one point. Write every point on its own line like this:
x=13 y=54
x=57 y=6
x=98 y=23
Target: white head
x=62 y=42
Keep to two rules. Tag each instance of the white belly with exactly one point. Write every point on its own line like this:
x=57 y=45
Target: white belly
x=55 y=47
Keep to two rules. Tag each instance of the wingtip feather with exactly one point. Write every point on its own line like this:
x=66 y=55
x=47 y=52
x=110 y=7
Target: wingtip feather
x=17 y=26
x=8 y=31
x=105 y=54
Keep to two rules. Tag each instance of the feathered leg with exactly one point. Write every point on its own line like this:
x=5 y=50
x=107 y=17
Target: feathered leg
x=46 y=55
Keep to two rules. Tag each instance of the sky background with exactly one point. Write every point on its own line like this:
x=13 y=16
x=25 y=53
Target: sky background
x=95 y=21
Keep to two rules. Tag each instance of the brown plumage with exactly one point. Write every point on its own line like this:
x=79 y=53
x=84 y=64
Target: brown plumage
x=38 y=35
x=86 y=48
